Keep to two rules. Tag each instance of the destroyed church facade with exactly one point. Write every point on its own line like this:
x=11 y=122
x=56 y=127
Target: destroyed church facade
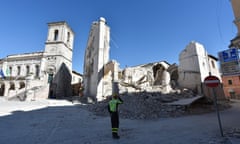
x=103 y=77
x=149 y=77
x=46 y=74
x=195 y=64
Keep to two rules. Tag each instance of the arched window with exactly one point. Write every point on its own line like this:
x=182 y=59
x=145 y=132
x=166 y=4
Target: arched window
x=55 y=35
x=37 y=70
x=27 y=69
x=18 y=70
x=213 y=64
x=2 y=89
x=22 y=85
x=10 y=71
x=68 y=36
x=12 y=86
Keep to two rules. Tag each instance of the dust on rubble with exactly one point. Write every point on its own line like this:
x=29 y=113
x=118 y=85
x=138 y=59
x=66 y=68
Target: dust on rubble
x=147 y=106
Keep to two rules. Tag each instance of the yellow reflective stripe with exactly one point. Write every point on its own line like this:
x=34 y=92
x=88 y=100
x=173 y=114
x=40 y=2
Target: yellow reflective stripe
x=114 y=129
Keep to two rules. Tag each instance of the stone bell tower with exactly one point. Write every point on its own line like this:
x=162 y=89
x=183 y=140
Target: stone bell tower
x=96 y=57
x=58 y=58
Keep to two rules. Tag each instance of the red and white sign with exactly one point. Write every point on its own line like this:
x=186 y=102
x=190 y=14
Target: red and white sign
x=211 y=81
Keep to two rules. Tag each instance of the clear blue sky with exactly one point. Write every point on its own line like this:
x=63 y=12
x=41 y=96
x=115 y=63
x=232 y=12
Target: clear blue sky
x=142 y=31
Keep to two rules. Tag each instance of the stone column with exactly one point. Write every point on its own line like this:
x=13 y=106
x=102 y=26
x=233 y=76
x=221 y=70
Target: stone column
x=7 y=86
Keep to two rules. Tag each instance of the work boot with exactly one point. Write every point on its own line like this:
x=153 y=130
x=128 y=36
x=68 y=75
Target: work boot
x=115 y=136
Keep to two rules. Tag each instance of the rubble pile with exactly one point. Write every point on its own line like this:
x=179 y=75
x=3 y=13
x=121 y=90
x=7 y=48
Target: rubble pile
x=150 y=105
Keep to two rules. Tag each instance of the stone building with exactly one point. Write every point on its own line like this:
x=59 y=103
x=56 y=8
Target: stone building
x=231 y=85
x=195 y=64
x=231 y=80
x=46 y=74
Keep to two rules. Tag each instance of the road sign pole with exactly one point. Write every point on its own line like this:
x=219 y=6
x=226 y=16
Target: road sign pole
x=213 y=82
x=217 y=110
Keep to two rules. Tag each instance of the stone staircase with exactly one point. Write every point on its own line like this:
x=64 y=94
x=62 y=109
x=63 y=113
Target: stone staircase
x=34 y=93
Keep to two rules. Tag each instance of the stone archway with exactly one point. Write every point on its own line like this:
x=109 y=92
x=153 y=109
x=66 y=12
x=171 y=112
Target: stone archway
x=22 y=85
x=173 y=70
x=158 y=70
x=12 y=86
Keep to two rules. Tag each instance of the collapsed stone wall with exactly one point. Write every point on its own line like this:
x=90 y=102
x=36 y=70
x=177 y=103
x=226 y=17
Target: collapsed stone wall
x=149 y=77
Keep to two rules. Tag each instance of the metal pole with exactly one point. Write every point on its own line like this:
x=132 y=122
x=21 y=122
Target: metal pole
x=217 y=110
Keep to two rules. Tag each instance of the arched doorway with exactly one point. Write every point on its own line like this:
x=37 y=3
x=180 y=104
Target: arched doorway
x=22 y=85
x=158 y=74
x=12 y=86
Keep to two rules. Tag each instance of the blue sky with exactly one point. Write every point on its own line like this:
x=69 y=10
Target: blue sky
x=142 y=31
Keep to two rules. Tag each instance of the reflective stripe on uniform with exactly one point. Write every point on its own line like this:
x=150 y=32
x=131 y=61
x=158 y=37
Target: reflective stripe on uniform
x=114 y=129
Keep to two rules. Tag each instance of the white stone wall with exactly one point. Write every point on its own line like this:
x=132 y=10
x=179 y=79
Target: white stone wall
x=133 y=74
x=19 y=78
x=13 y=63
x=214 y=68
x=110 y=79
x=65 y=33
x=236 y=11
x=76 y=78
x=194 y=66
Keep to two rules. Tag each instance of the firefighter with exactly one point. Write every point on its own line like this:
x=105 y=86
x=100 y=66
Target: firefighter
x=113 y=110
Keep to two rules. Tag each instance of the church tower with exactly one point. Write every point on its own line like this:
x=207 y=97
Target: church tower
x=58 y=58
x=96 y=57
x=59 y=45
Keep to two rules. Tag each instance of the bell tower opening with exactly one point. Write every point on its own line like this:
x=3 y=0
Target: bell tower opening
x=55 y=35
